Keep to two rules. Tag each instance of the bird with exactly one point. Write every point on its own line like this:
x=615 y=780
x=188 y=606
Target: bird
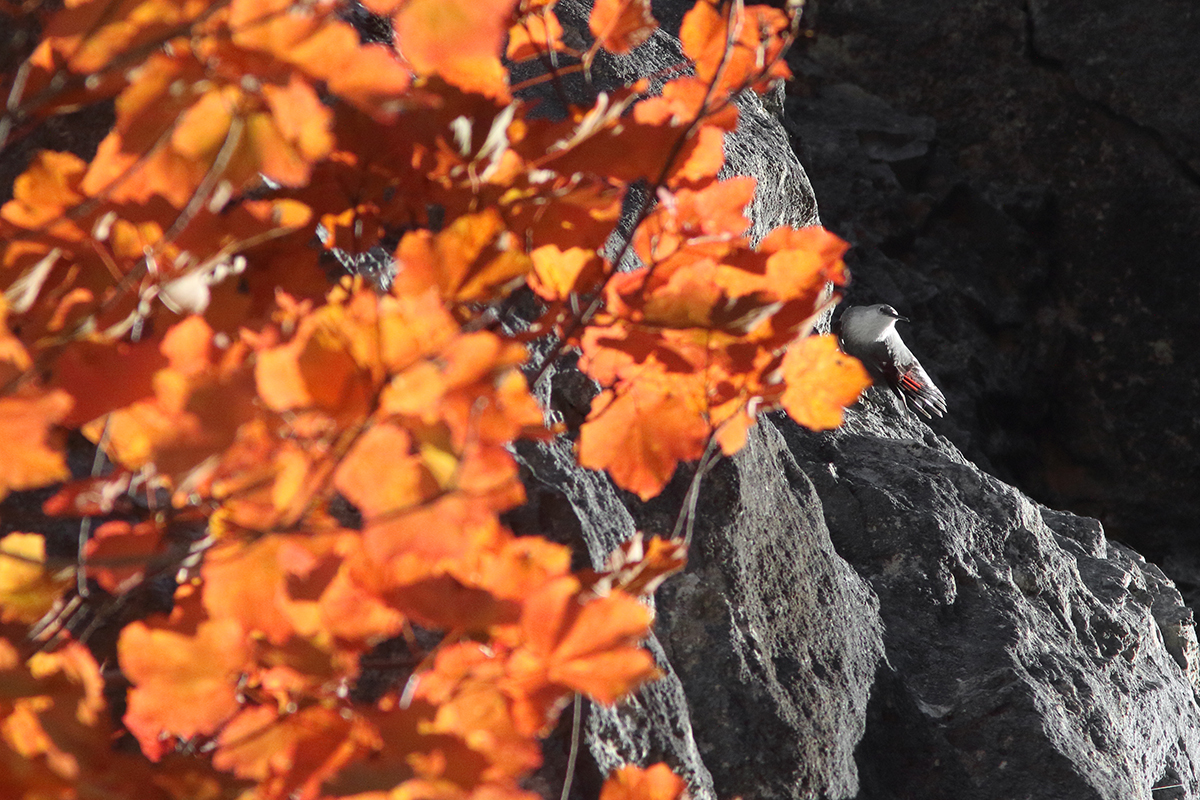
x=869 y=334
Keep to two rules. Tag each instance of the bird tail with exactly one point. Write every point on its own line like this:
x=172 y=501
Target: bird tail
x=919 y=393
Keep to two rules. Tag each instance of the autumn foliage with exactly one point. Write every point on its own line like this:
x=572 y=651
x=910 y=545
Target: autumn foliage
x=317 y=463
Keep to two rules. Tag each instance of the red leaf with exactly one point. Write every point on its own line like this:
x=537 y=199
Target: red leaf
x=118 y=541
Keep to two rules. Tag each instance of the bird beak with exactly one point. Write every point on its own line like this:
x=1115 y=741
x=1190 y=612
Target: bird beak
x=899 y=318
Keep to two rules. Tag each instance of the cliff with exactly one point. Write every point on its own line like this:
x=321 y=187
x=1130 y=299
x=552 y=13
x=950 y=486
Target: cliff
x=868 y=613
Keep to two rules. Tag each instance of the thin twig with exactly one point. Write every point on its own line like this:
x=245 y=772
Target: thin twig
x=574 y=751
x=687 y=514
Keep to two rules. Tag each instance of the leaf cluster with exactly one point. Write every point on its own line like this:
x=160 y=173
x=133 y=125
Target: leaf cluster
x=171 y=300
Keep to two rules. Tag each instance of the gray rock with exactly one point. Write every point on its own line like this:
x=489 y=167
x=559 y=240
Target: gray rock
x=1028 y=656
x=1044 y=239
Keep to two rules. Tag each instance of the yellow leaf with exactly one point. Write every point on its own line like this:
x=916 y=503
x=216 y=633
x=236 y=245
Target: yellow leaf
x=28 y=589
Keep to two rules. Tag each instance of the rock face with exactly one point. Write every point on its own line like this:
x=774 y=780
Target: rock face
x=1027 y=656
x=1023 y=180
x=866 y=613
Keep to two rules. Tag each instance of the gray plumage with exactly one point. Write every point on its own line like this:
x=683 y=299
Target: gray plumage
x=869 y=334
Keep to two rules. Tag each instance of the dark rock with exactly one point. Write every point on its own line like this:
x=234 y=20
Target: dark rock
x=1023 y=180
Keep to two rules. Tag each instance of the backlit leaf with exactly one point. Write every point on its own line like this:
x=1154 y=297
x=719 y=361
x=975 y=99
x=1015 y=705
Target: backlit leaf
x=641 y=432
x=750 y=58
x=557 y=273
x=534 y=34
x=28 y=586
x=622 y=25
x=473 y=258
x=821 y=382
x=576 y=643
x=460 y=40
x=184 y=669
x=30 y=447
x=631 y=782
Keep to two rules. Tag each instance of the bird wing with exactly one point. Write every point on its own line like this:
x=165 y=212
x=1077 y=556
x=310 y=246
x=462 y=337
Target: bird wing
x=917 y=389
x=891 y=360
x=876 y=357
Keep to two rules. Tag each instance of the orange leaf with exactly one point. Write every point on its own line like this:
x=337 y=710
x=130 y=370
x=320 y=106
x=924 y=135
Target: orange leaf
x=581 y=644
x=244 y=582
x=196 y=410
x=315 y=42
x=48 y=188
x=87 y=371
x=751 y=58
x=533 y=35
x=447 y=528
x=289 y=755
x=30 y=448
x=177 y=122
x=640 y=432
x=634 y=783
x=56 y=736
x=90 y=37
x=638 y=567
x=443 y=601
x=821 y=382
x=118 y=541
x=557 y=273
x=372 y=79
x=316 y=369
x=461 y=40
x=464 y=686
x=445 y=766
x=380 y=475
x=472 y=388
x=801 y=260
x=622 y=25
x=185 y=670
x=472 y=259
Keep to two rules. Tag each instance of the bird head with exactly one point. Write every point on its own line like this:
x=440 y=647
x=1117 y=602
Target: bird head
x=869 y=323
